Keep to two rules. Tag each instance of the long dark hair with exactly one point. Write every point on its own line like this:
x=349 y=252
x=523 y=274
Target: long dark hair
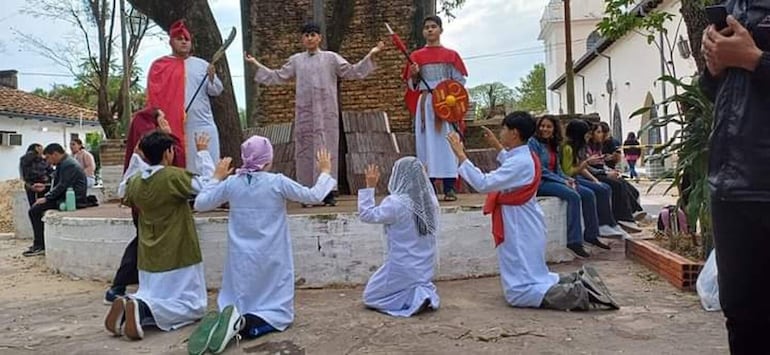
x=556 y=138
x=576 y=136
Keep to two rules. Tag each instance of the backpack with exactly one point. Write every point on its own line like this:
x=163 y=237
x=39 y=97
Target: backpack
x=670 y=222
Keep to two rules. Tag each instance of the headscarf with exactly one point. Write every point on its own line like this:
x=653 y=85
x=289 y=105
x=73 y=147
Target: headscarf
x=410 y=185
x=178 y=29
x=256 y=153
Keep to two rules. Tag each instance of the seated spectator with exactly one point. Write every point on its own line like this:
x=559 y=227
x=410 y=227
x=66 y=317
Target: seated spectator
x=35 y=172
x=85 y=159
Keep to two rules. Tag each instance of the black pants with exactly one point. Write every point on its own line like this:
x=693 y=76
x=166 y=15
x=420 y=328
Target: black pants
x=742 y=241
x=127 y=273
x=621 y=199
x=447 y=184
x=36 y=218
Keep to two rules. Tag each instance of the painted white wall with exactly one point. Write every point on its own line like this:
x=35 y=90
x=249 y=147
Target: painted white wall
x=585 y=14
x=329 y=249
x=35 y=131
x=635 y=70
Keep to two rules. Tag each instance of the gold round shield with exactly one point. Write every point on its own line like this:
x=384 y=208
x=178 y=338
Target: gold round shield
x=450 y=101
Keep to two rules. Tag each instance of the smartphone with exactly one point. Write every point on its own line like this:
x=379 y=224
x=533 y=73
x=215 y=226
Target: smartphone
x=717 y=15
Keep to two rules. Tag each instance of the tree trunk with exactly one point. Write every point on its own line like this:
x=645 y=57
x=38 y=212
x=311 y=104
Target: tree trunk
x=422 y=9
x=695 y=19
x=206 y=40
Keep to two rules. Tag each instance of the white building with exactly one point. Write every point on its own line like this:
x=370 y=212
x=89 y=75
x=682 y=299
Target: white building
x=26 y=118
x=615 y=78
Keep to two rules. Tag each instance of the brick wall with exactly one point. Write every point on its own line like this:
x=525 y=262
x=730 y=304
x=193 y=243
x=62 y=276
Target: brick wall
x=274 y=37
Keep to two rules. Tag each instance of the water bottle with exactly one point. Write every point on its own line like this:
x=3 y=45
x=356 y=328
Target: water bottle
x=69 y=199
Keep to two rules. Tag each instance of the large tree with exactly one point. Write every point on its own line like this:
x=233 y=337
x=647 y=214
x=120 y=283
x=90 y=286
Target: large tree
x=206 y=40
x=488 y=97
x=530 y=94
x=95 y=22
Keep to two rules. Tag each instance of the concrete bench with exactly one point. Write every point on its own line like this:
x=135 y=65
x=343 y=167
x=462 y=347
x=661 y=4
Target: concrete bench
x=329 y=249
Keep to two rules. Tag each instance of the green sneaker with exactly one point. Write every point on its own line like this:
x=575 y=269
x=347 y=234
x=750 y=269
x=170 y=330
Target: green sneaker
x=229 y=324
x=199 y=340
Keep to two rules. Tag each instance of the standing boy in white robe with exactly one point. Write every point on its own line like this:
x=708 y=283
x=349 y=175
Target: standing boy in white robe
x=403 y=285
x=258 y=277
x=316 y=124
x=519 y=227
x=433 y=64
x=172 y=288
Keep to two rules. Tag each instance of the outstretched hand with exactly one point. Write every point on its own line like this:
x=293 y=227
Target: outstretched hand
x=223 y=168
x=202 y=141
x=490 y=138
x=324 y=160
x=163 y=124
x=250 y=59
x=379 y=48
x=372 y=173
x=457 y=146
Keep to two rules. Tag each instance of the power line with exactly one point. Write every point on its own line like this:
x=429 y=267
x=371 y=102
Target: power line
x=494 y=55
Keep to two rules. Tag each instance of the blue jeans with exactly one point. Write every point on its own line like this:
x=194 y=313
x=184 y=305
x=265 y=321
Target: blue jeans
x=632 y=169
x=575 y=199
x=603 y=195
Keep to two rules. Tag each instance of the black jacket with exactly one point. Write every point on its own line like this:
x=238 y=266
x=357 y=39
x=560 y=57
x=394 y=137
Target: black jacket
x=68 y=174
x=34 y=169
x=739 y=156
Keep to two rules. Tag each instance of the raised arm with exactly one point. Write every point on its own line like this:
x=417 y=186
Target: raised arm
x=291 y=190
x=267 y=76
x=508 y=176
x=213 y=195
x=385 y=213
x=356 y=71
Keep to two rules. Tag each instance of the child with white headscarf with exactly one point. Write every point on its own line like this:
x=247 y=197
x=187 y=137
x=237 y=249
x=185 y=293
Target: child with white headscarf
x=402 y=287
x=258 y=276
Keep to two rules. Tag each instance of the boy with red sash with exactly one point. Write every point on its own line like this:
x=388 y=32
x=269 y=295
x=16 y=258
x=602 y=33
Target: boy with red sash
x=172 y=83
x=518 y=225
x=433 y=64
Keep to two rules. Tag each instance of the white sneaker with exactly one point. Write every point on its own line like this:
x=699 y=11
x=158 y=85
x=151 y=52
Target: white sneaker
x=230 y=323
x=608 y=231
x=630 y=227
x=640 y=216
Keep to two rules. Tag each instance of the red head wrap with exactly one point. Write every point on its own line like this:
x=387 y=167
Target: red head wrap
x=178 y=29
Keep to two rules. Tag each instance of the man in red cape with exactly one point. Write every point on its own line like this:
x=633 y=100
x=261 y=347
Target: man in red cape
x=171 y=83
x=433 y=64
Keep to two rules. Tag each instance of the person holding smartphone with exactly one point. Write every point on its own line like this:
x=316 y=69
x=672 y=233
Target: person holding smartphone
x=738 y=80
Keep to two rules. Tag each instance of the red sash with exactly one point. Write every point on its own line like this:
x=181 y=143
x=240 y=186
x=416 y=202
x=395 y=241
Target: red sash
x=430 y=55
x=166 y=91
x=496 y=200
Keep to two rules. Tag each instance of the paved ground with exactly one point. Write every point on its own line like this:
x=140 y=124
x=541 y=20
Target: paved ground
x=46 y=313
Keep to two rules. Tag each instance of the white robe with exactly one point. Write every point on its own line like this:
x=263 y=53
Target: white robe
x=403 y=283
x=176 y=297
x=523 y=273
x=258 y=276
x=200 y=119
x=431 y=145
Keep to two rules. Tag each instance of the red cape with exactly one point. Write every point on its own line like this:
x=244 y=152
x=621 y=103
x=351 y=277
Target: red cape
x=166 y=91
x=430 y=55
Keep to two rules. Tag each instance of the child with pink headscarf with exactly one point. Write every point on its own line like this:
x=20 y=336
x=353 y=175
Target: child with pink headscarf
x=258 y=276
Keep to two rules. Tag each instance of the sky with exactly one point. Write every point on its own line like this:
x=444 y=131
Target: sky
x=497 y=39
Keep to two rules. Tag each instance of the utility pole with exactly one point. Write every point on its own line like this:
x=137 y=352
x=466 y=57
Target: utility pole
x=569 y=71
x=126 y=66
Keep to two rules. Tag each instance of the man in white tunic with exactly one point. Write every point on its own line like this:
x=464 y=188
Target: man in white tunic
x=519 y=225
x=172 y=83
x=403 y=285
x=258 y=277
x=315 y=73
x=433 y=64
x=172 y=289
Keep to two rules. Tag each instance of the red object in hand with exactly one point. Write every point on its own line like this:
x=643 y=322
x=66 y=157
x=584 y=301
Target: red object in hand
x=399 y=44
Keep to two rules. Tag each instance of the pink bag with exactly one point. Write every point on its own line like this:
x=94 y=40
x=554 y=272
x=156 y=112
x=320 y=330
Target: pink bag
x=669 y=222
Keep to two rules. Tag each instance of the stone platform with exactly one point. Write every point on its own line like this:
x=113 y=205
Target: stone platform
x=331 y=246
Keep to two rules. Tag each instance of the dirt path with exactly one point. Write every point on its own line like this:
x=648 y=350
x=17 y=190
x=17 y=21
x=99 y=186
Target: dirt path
x=45 y=313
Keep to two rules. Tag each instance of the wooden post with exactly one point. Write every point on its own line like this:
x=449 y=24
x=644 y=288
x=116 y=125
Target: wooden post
x=569 y=71
x=319 y=17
